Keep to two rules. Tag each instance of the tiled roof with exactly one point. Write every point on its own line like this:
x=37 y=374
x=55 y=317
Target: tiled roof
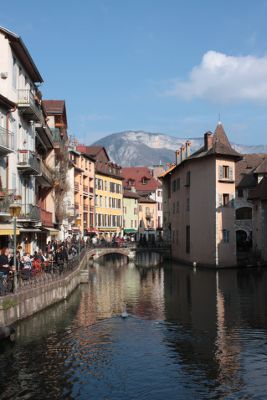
x=146 y=200
x=247 y=167
x=262 y=168
x=136 y=174
x=260 y=192
x=93 y=151
x=130 y=194
x=220 y=146
x=52 y=107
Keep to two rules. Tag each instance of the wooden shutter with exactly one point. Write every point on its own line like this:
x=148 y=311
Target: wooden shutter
x=220 y=172
x=231 y=175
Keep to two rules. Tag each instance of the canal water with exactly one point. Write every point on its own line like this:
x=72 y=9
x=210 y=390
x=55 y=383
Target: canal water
x=189 y=335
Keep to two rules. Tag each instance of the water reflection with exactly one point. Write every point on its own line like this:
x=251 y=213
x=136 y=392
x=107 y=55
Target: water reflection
x=190 y=335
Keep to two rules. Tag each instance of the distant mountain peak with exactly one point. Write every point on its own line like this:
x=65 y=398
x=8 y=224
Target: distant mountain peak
x=138 y=147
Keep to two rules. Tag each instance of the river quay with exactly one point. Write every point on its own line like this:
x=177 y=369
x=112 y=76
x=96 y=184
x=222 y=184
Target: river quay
x=40 y=293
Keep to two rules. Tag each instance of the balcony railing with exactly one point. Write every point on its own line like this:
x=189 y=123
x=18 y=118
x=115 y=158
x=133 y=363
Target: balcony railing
x=28 y=103
x=85 y=189
x=46 y=218
x=92 y=209
x=76 y=205
x=30 y=212
x=28 y=162
x=85 y=207
x=6 y=141
x=58 y=137
x=46 y=172
x=76 y=186
x=6 y=198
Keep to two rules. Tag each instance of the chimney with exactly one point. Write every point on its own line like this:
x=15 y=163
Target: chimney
x=177 y=157
x=208 y=140
x=182 y=153
x=187 y=148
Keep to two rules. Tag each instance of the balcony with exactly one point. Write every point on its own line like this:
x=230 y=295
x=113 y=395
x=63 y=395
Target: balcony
x=30 y=212
x=28 y=163
x=6 y=198
x=76 y=205
x=76 y=186
x=6 y=142
x=92 y=209
x=44 y=134
x=85 y=189
x=46 y=218
x=28 y=104
x=85 y=207
x=58 y=137
x=46 y=177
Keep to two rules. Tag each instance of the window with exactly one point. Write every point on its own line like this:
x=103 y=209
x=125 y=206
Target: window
x=240 y=192
x=187 y=239
x=243 y=213
x=188 y=177
x=177 y=207
x=140 y=208
x=174 y=185
x=187 y=204
x=159 y=193
x=225 y=172
x=173 y=207
x=226 y=236
x=14 y=74
x=178 y=184
x=226 y=199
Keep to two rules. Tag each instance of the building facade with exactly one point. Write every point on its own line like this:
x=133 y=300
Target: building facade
x=201 y=193
x=130 y=213
x=108 y=193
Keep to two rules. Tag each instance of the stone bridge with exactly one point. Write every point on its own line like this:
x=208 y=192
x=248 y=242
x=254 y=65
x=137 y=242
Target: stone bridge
x=128 y=251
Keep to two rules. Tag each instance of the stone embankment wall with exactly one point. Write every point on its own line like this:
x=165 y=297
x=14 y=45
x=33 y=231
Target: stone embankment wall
x=23 y=304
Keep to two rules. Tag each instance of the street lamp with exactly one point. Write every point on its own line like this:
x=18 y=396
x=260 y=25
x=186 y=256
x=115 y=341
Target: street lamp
x=78 y=224
x=14 y=211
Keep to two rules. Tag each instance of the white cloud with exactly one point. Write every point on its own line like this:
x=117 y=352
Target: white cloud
x=223 y=78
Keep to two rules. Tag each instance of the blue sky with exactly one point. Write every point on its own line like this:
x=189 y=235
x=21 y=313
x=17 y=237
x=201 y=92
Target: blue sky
x=166 y=66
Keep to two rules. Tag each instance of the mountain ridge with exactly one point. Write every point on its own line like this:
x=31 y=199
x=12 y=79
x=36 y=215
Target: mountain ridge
x=136 y=148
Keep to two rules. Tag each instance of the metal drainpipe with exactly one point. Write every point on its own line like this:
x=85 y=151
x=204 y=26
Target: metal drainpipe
x=11 y=110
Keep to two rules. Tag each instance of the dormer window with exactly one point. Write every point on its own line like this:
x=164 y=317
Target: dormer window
x=145 y=180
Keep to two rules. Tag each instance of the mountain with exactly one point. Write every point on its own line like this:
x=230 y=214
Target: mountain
x=132 y=148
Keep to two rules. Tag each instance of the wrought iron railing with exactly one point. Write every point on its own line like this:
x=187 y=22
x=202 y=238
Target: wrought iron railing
x=27 y=159
x=6 y=138
x=27 y=99
x=6 y=198
x=30 y=211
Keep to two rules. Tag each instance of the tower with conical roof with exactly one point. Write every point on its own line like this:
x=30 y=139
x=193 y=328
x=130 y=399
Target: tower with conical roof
x=201 y=193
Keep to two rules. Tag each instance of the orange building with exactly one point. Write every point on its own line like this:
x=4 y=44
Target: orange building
x=81 y=191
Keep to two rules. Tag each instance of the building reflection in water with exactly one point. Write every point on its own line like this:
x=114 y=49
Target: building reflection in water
x=214 y=313
x=113 y=283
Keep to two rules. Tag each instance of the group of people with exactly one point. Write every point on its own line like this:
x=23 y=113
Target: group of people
x=56 y=254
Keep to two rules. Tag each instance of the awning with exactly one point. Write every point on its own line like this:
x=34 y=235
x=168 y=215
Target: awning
x=8 y=229
x=130 y=230
x=53 y=231
x=29 y=230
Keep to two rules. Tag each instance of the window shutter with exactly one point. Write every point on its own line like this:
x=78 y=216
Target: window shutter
x=220 y=200
x=220 y=172
x=231 y=175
